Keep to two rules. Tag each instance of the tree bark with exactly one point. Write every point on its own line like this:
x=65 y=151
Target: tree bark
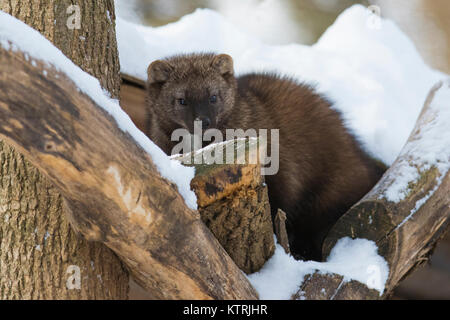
x=112 y=186
x=92 y=46
x=242 y=223
x=405 y=231
x=38 y=249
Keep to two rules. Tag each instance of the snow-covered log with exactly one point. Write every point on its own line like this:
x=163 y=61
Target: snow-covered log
x=405 y=214
x=118 y=193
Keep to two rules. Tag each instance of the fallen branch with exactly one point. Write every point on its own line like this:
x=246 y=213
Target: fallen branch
x=115 y=191
x=404 y=218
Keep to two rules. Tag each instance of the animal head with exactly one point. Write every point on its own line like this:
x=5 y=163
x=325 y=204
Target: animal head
x=187 y=88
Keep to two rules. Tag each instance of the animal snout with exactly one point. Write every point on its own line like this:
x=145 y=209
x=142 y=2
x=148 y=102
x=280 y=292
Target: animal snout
x=206 y=122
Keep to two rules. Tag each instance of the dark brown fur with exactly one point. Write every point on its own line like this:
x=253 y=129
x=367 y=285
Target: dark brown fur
x=323 y=170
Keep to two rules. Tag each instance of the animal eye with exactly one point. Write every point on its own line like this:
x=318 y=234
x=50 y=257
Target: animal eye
x=213 y=99
x=182 y=102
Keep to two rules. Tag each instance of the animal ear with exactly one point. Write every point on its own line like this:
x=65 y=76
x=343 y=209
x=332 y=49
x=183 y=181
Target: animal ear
x=159 y=71
x=224 y=64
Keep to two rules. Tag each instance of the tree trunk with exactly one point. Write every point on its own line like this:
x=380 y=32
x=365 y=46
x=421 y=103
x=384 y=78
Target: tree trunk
x=233 y=203
x=92 y=46
x=40 y=256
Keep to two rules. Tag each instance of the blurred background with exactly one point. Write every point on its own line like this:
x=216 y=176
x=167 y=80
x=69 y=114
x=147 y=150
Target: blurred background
x=426 y=22
x=278 y=22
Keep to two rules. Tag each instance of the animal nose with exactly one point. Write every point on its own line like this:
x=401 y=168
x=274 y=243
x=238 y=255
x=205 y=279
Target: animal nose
x=206 y=122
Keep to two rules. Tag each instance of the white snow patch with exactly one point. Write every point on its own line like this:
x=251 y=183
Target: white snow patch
x=357 y=259
x=430 y=148
x=376 y=77
x=279 y=27
x=128 y=10
x=15 y=35
x=399 y=188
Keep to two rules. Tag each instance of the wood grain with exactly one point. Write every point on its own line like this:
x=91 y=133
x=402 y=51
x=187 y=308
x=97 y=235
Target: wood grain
x=112 y=186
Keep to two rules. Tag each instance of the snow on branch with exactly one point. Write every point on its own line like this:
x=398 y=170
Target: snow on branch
x=111 y=176
x=406 y=226
x=16 y=35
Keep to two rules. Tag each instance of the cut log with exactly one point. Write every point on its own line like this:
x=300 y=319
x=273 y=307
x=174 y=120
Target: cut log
x=112 y=186
x=405 y=230
x=242 y=223
x=234 y=204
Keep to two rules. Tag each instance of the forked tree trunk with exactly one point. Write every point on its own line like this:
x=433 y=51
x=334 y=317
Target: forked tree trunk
x=40 y=255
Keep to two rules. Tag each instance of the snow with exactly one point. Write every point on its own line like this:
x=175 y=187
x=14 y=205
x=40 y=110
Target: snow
x=280 y=25
x=15 y=35
x=128 y=10
x=354 y=259
x=375 y=76
x=205 y=30
x=429 y=148
x=419 y=204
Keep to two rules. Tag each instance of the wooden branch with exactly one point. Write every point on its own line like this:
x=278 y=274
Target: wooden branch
x=405 y=231
x=333 y=287
x=112 y=186
x=131 y=80
x=280 y=230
